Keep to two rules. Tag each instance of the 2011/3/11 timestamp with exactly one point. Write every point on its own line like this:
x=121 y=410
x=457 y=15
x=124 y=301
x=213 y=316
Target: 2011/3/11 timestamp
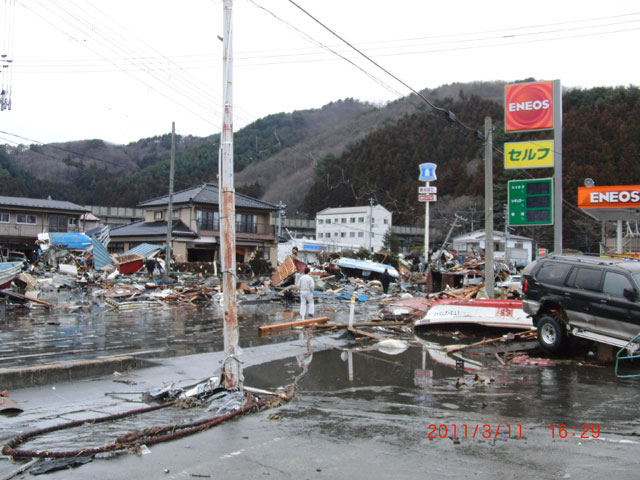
x=584 y=431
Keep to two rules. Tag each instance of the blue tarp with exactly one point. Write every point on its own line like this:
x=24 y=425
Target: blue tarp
x=70 y=240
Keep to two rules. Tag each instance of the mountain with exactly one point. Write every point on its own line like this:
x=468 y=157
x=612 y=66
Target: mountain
x=348 y=152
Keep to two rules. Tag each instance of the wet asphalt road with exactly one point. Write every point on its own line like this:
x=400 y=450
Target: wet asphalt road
x=410 y=415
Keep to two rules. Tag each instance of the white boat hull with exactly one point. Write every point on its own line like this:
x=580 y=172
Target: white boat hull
x=484 y=312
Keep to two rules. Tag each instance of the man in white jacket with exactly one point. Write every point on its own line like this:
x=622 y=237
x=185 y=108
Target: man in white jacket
x=306 y=286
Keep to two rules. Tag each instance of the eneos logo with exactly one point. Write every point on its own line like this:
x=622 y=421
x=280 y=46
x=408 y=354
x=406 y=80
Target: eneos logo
x=528 y=106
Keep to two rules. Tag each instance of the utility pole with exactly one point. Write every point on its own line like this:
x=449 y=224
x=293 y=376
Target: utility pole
x=281 y=212
x=488 y=208
x=506 y=234
x=370 y=223
x=232 y=369
x=168 y=249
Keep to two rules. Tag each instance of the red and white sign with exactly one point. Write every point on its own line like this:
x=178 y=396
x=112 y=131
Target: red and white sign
x=427 y=198
x=542 y=252
x=427 y=189
x=528 y=106
x=618 y=196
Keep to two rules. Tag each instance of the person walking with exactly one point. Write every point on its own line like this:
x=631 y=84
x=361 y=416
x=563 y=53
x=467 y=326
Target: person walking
x=306 y=286
x=385 y=280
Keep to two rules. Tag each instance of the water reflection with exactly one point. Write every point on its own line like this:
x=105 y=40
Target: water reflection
x=37 y=337
x=423 y=382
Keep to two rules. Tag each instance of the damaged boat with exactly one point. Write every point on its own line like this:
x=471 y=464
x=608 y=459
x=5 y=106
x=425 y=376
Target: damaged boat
x=498 y=313
x=8 y=272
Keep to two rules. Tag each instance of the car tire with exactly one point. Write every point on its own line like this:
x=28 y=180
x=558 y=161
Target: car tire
x=552 y=335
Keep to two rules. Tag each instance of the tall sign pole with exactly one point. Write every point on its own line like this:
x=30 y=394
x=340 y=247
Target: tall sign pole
x=530 y=107
x=557 y=172
x=232 y=371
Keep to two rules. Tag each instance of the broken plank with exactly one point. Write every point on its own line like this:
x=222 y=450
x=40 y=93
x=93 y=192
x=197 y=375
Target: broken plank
x=297 y=323
x=367 y=334
x=15 y=295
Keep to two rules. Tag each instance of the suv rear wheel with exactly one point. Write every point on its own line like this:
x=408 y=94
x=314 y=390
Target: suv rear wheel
x=552 y=335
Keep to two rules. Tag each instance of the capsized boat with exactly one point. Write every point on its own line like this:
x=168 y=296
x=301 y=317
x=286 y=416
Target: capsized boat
x=365 y=266
x=496 y=313
x=130 y=263
x=8 y=272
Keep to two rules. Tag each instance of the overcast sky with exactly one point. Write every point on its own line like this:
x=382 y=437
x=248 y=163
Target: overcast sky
x=121 y=70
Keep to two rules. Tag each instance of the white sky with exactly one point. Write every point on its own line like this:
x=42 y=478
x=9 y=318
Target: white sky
x=121 y=70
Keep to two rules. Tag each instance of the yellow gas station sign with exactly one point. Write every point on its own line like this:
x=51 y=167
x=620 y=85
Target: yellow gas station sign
x=532 y=154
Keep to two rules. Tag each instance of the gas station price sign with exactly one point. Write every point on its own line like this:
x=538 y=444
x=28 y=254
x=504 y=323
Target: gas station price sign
x=531 y=202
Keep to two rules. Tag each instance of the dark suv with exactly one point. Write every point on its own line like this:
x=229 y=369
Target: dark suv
x=589 y=297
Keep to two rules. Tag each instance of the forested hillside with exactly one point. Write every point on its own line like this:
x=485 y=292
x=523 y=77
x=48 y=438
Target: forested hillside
x=348 y=152
x=601 y=138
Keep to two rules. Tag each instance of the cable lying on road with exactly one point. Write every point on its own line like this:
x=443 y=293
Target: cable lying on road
x=132 y=442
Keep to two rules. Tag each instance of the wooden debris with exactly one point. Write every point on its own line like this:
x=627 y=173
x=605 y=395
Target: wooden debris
x=297 y=323
x=366 y=334
x=505 y=338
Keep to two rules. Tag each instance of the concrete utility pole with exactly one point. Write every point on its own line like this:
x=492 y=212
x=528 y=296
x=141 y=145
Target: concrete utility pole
x=232 y=369
x=168 y=249
x=370 y=223
x=488 y=207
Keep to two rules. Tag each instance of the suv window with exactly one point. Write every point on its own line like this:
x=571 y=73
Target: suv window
x=615 y=283
x=552 y=272
x=585 y=279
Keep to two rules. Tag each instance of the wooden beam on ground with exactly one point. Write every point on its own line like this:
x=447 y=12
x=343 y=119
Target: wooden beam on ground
x=363 y=324
x=297 y=323
x=22 y=297
x=366 y=334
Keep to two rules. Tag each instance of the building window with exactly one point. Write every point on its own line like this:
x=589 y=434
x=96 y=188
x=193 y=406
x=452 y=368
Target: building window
x=360 y=234
x=328 y=221
x=157 y=215
x=335 y=234
x=336 y=220
x=175 y=214
x=73 y=221
x=352 y=234
x=343 y=235
x=386 y=221
x=360 y=219
x=208 y=220
x=246 y=223
x=519 y=245
x=343 y=220
x=320 y=221
x=352 y=220
x=4 y=218
x=373 y=220
x=26 y=219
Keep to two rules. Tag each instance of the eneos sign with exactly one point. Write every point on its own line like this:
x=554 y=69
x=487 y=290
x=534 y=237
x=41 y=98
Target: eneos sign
x=528 y=106
x=619 y=196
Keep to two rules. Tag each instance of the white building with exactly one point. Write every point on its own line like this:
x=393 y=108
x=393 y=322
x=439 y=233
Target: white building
x=518 y=249
x=361 y=226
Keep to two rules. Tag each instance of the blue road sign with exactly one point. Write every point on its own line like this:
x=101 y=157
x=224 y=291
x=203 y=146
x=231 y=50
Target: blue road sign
x=427 y=172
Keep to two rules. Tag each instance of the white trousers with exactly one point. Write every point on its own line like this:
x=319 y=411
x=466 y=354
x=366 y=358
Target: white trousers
x=306 y=304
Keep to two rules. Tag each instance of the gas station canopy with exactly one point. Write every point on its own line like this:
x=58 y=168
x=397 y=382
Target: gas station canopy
x=619 y=202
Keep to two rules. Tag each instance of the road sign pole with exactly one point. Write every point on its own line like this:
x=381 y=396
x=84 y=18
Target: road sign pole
x=426 y=230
